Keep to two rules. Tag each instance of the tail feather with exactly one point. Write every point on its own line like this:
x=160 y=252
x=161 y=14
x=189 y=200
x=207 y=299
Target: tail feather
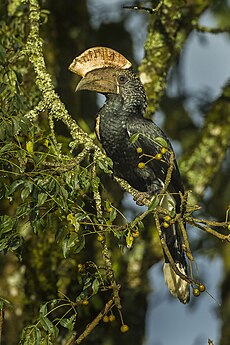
x=173 y=238
x=176 y=285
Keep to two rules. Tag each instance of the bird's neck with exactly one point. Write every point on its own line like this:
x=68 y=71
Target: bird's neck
x=124 y=108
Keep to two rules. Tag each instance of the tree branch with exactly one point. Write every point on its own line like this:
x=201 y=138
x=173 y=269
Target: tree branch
x=168 y=30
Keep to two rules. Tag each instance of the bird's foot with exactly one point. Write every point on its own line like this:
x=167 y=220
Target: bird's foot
x=142 y=198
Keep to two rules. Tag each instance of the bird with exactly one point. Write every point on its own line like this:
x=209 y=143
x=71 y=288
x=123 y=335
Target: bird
x=139 y=149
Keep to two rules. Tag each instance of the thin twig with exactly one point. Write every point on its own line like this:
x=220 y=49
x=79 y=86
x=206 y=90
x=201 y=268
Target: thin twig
x=209 y=222
x=94 y=323
x=209 y=230
x=186 y=241
x=205 y=29
x=169 y=174
x=105 y=251
x=147 y=9
x=168 y=254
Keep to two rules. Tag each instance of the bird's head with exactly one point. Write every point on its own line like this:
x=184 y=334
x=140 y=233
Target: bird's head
x=106 y=71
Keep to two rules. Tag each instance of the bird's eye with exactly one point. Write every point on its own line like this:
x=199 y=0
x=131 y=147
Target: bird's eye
x=122 y=79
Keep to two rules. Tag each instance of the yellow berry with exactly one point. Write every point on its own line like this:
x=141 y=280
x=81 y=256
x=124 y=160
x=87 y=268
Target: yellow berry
x=100 y=238
x=131 y=238
x=158 y=156
x=109 y=209
x=201 y=287
x=136 y=234
x=124 y=328
x=139 y=150
x=80 y=267
x=85 y=302
x=196 y=292
x=167 y=218
x=105 y=318
x=163 y=150
x=165 y=225
x=141 y=165
x=228 y=226
x=111 y=318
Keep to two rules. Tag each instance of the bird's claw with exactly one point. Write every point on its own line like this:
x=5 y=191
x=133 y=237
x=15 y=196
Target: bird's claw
x=141 y=198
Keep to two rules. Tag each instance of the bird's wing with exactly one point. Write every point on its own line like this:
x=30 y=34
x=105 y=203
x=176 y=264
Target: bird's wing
x=146 y=135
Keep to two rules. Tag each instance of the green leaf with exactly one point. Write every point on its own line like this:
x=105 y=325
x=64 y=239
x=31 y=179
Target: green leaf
x=2 y=52
x=37 y=335
x=153 y=203
x=30 y=147
x=140 y=225
x=7 y=224
x=64 y=192
x=105 y=165
x=112 y=214
x=28 y=187
x=7 y=147
x=68 y=322
x=14 y=186
x=95 y=182
x=62 y=203
x=46 y=324
x=44 y=320
x=95 y=286
x=69 y=243
x=80 y=245
x=15 y=126
x=87 y=283
x=5 y=303
x=134 y=137
x=41 y=199
x=161 y=141
x=25 y=125
x=173 y=213
x=3 y=86
x=31 y=336
x=23 y=209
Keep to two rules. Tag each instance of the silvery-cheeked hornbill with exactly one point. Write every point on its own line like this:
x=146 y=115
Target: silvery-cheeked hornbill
x=143 y=162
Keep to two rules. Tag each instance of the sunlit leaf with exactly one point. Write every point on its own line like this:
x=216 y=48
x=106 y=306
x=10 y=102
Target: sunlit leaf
x=161 y=141
x=41 y=198
x=153 y=203
x=129 y=239
x=105 y=165
x=28 y=187
x=30 y=147
x=68 y=322
x=134 y=137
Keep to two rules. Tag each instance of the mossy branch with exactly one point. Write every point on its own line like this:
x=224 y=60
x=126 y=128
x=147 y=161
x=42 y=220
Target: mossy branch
x=169 y=28
x=50 y=100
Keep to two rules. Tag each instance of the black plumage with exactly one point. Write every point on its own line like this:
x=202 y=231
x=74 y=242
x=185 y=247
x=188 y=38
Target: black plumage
x=121 y=119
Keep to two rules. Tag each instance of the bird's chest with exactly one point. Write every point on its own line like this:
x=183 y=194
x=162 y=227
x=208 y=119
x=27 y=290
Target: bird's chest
x=116 y=142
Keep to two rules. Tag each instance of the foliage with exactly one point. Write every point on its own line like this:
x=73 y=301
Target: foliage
x=58 y=216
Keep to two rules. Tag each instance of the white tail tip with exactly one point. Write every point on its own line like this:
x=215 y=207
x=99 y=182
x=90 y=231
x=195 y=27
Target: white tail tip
x=177 y=286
